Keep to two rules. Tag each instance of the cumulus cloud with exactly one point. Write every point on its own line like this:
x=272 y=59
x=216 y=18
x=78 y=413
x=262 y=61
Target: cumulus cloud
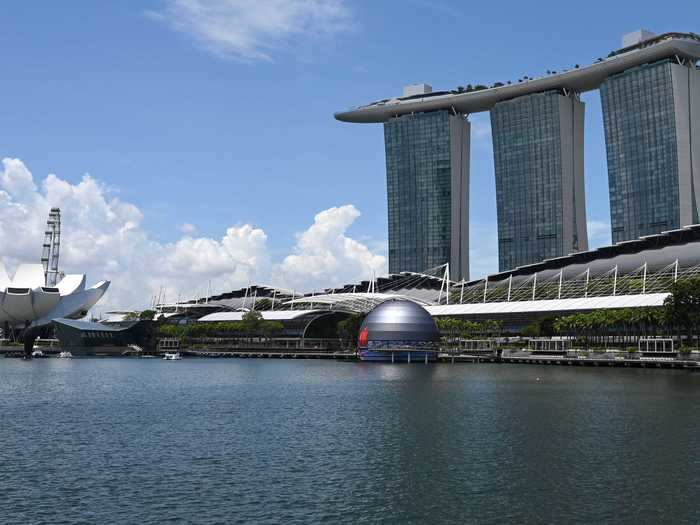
x=251 y=30
x=323 y=252
x=105 y=237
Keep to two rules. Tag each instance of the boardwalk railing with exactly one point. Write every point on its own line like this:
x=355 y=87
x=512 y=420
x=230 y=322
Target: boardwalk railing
x=272 y=344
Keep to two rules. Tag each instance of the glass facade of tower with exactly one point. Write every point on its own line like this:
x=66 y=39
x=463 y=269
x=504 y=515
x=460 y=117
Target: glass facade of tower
x=418 y=171
x=640 y=135
x=531 y=169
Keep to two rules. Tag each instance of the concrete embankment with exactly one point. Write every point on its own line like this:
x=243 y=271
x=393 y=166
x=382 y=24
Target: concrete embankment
x=641 y=362
x=561 y=360
x=506 y=357
x=270 y=354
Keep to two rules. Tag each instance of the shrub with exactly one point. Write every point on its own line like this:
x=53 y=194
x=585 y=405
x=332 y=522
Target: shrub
x=147 y=315
x=532 y=330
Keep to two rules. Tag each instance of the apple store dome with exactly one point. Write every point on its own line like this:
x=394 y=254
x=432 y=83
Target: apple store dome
x=400 y=321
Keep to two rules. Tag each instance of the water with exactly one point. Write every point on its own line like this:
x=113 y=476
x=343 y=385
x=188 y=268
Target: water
x=272 y=441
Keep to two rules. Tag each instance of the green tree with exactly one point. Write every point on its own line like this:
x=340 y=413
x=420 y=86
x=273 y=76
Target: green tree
x=683 y=305
x=349 y=329
x=450 y=327
x=171 y=330
x=251 y=323
x=270 y=328
x=147 y=315
x=493 y=328
x=533 y=329
x=541 y=328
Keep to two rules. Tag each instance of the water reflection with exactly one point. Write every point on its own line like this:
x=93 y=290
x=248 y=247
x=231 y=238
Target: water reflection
x=306 y=441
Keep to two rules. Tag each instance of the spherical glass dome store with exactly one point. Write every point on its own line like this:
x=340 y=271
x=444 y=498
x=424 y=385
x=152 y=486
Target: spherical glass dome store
x=398 y=331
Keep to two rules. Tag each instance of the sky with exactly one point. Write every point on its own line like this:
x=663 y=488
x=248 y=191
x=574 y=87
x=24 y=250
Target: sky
x=191 y=142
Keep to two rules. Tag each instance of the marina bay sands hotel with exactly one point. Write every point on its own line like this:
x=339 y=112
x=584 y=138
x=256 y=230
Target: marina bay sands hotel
x=650 y=92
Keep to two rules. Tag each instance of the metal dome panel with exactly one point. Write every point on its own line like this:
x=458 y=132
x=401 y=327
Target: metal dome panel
x=400 y=320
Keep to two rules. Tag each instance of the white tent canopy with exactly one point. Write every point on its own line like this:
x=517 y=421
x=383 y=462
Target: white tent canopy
x=354 y=302
x=267 y=315
x=550 y=305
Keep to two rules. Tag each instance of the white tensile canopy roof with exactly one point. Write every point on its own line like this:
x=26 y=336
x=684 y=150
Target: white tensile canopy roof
x=354 y=302
x=550 y=305
x=267 y=315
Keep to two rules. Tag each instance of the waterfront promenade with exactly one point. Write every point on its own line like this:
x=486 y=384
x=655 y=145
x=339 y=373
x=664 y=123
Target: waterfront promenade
x=577 y=358
x=570 y=358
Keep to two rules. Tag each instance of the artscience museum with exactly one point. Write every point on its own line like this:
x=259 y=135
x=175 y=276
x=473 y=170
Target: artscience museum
x=39 y=294
x=26 y=301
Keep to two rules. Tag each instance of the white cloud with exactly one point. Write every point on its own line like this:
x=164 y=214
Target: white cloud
x=187 y=228
x=105 y=238
x=324 y=253
x=251 y=30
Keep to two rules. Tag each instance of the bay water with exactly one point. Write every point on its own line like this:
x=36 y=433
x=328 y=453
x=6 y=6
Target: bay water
x=296 y=441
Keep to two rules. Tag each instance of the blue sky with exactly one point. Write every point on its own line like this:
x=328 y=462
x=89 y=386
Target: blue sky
x=229 y=121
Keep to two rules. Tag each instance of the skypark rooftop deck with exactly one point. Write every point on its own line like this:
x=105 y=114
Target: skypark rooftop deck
x=677 y=46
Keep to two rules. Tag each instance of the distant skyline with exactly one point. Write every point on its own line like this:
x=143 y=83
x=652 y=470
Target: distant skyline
x=207 y=130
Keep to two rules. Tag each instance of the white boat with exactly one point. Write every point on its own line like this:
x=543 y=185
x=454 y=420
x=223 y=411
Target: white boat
x=172 y=356
x=37 y=353
x=65 y=355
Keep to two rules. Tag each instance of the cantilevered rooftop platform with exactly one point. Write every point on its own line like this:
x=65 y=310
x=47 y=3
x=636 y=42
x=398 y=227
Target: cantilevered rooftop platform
x=680 y=46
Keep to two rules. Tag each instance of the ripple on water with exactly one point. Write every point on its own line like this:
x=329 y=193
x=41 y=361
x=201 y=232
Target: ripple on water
x=258 y=441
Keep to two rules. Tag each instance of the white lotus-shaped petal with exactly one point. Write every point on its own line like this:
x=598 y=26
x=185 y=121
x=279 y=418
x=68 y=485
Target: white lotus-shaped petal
x=25 y=299
x=17 y=304
x=71 y=283
x=75 y=305
x=28 y=276
x=44 y=300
